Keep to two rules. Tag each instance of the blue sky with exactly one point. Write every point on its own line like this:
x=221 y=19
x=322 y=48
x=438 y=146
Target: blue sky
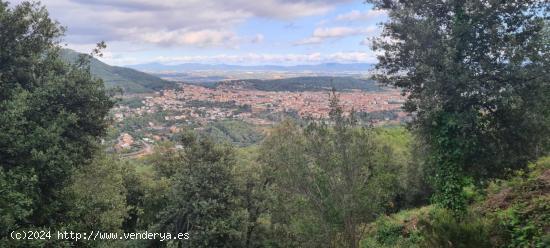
x=245 y=32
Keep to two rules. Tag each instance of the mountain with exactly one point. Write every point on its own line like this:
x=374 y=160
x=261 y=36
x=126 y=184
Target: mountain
x=130 y=80
x=304 y=84
x=326 y=67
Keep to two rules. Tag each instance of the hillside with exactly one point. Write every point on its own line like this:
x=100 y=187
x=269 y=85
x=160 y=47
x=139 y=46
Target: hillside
x=512 y=213
x=130 y=80
x=304 y=84
x=238 y=133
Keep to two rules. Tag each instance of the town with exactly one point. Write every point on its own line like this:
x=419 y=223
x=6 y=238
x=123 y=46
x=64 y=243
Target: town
x=310 y=104
x=197 y=106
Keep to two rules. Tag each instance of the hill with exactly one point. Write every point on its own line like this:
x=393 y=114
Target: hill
x=326 y=67
x=130 y=80
x=236 y=132
x=511 y=213
x=304 y=84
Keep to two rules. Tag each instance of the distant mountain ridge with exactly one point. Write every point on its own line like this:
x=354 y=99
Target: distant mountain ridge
x=130 y=80
x=298 y=84
x=326 y=67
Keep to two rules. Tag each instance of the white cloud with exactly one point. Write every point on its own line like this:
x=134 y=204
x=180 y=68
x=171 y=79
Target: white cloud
x=321 y=34
x=267 y=58
x=336 y=32
x=200 y=38
x=136 y=29
x=352 y=57
x=365 y=42
x=259 y=38
x=309 y=41
x=356 y=15
x=175 y=22
x=280 y=9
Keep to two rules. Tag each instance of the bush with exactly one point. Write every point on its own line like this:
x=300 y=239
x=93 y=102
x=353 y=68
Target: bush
x=397 y=230
x=443 y=229
x=388 y=232
x=522 y=207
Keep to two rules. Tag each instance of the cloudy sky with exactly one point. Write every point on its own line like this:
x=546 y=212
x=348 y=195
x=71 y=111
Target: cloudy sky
x=245 y=32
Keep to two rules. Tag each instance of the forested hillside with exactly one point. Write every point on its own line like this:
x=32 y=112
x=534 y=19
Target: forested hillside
x=238 y=133
x=305 y=84
x=130 y=80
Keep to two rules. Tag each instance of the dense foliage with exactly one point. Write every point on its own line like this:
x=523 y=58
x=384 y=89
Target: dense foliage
x=514 y=213
x=476 y=74
x=339 y=178
x=235 y=132
x=202 y=198
x=477 y=77
x=51 y=117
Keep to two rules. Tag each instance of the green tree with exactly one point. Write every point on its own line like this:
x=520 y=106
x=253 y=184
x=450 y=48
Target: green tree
x=255 y=197
x=476 y=74
x=337 y=174
x=414 y=188
x=147 y=194
x=98 y=198
x=51 y=117
x=203 y=197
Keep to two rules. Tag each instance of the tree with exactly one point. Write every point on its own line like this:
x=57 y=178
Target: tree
x=254 y=180
x=477 y=77
x=147 y=194
x=98 y=198
x=336 y=173
x=51 y=117
x=203 y=196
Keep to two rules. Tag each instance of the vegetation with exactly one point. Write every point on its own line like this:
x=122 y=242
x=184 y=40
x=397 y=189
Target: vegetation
x=236 y=132
x=476 y=73
x=477 y=77
x=51 y=117
x=129 y=80
x=202 y=197
x=513 y=213
x=307 y=84
x=98 y=197
x=132 y=102
x=339 y=177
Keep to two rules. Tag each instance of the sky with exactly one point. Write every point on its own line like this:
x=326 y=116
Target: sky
x=243 y=32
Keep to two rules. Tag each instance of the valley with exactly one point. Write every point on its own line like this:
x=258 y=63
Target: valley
x=238 y=111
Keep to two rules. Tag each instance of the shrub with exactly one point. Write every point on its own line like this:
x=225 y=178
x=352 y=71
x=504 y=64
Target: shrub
x=443 y=229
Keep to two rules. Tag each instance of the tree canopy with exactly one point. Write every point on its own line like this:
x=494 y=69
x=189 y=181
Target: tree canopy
x=477 y=78
x=51 y=117
x=337 y=173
